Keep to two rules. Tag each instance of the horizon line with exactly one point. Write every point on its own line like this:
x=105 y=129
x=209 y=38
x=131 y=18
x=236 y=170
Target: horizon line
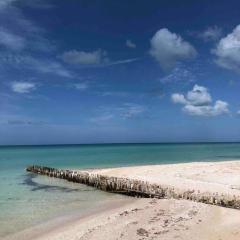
x=118 y=143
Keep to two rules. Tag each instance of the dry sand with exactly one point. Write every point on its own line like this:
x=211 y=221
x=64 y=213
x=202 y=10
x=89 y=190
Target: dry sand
x=166 y=219
x=220 y=177
x=155 y=219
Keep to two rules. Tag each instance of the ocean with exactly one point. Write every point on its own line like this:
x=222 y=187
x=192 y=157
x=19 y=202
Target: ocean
x=27 y=200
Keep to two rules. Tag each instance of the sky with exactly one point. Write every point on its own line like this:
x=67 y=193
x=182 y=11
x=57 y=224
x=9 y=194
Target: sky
x=102 y=71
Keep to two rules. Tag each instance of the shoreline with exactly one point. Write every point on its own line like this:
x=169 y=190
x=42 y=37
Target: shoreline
x=151 y=218
x=53 y=225
x=166 y=219
x=206 y=182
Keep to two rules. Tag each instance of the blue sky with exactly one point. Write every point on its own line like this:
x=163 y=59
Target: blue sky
x=119 y=71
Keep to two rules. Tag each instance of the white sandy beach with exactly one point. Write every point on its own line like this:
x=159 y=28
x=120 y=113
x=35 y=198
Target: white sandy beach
x=166 y=219
x=154 y=219
x=212 y=177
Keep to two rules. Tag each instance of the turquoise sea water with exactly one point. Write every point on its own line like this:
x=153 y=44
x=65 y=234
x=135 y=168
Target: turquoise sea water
x=27 y=200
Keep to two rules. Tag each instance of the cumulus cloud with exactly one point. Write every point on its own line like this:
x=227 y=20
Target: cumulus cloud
x=198 y=102
x=168 y=48
x=227 y=51
x=23 y=87
x=199 y=96
x=130 y=44
x=82 y=57
x=179 y=98
x=220 y=107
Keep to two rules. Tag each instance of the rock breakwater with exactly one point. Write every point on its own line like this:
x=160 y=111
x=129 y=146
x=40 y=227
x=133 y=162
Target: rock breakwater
x=137 y=188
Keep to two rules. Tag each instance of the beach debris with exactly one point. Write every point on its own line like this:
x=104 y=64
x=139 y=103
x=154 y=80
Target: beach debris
x=142 y=232
x=161 y=232
x=124 y=213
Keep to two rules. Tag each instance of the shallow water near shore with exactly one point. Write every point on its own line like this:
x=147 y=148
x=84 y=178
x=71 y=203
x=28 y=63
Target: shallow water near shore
x=27 y=199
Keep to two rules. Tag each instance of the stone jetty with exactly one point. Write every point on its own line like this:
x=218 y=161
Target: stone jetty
x=138 y=188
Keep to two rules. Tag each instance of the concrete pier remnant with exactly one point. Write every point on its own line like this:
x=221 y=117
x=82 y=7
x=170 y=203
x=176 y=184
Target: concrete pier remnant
x=135 y=187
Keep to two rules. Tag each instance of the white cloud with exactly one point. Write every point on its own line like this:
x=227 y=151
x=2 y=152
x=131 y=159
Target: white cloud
x=40 y=65
x=219 y=108
x=81 y=86
x=178 y=98
x=82 y=57
x=123 y=112
x=130 y=60
x=15 y=19
x=18 y=32
x=181 y=72
x=198 y=102
x=199 y=96
x=130 y=44
x=211 y=34
x=49 y=67
x=10 y=40
x=95 y=59
x=130 y=110
x=168 y=48
x=228 y=51
x=23 y=87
